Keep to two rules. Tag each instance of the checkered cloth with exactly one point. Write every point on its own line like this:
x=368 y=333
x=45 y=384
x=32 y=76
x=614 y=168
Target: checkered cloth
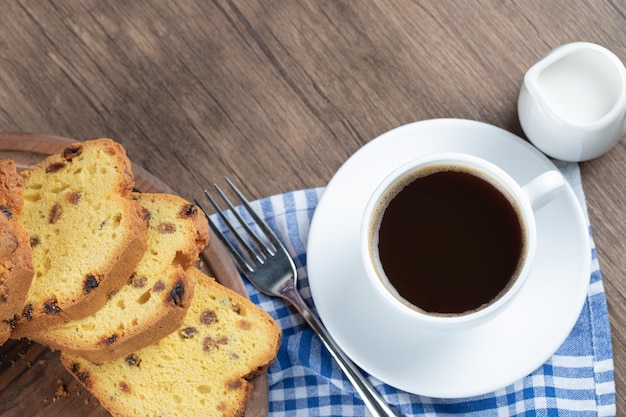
x=305 y=381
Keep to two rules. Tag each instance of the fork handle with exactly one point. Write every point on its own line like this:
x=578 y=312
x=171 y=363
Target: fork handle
x=373 y=400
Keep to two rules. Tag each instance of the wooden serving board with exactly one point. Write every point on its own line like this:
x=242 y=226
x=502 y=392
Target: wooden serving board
x=33 y=382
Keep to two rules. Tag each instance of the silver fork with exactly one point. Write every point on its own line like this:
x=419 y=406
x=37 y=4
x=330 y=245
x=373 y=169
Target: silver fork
x=269 y=267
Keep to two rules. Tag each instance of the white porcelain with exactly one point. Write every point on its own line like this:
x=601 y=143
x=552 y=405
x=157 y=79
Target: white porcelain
x=532 y=196
x=414 y=357
x=572 y=103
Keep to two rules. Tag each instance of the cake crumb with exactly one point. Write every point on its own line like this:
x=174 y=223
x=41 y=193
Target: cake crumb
x=61 y=390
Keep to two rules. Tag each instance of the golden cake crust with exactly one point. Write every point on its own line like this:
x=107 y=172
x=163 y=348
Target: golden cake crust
x=16 y=267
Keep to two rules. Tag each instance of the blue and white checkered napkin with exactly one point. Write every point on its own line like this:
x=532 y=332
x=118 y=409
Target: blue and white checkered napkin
x=305 y=381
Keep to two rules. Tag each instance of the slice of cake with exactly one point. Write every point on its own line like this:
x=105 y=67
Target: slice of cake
x=154 y=300
x=87 y=235
x=199 y=370
x=16 y=267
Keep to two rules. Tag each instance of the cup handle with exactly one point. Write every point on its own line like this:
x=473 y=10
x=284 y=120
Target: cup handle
x=544 y=188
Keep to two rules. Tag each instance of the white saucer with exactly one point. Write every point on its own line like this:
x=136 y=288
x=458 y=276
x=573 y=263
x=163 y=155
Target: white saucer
x=419 y=360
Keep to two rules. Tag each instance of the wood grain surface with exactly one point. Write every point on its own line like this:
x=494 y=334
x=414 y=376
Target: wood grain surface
x=277 y=94
x=55 y=392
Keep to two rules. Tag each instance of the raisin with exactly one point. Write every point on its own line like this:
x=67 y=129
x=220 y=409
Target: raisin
x=34 y=241
x=91 y=282
x=188 y=332
x=124 y=387
x=12 y=322
x=138 y=282
x=73 y=197
x=6 y=211
x=72 y=152
x=208 y=317
x=133 y=360
x=233 y=385
x=55 y=213
x=244 y=324
x=145 y=214
x=188 y=210
x=83 y=377
x=208 y=344
x=54 y=167
x=28 y=312
x=235 y=307
x=177 y=293
x=158 y=286
x=167 y=228
x=51 y=307
x=223 y=340
x=108 y=340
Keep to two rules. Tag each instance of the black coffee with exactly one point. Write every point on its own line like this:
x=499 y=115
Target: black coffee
x=449 y=241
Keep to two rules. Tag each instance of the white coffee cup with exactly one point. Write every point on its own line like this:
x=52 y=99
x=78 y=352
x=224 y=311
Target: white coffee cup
x=572 y=103
x=525 y=200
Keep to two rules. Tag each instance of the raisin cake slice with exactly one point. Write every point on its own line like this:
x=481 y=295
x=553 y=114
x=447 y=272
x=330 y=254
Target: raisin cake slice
x=86 y=233
x=200 y=370
x=154 y=301
x=16 y=267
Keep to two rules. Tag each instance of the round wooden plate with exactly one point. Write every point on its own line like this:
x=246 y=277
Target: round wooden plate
x=32 y=380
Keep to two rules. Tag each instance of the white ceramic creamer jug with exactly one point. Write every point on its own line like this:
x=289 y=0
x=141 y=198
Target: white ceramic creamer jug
x=572 y=104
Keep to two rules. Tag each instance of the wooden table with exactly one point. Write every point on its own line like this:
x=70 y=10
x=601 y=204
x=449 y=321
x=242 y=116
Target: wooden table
x=278 y=94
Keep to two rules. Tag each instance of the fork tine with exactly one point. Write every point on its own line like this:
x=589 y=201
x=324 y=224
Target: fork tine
x=252 y=254
x=242 y=263
x=260 y=222
x=267 y=251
